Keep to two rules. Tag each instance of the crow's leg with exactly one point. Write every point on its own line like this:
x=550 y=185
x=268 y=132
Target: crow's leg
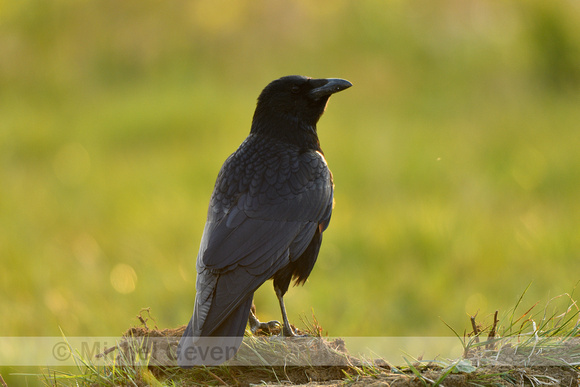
x=256 y=325
x=286 y=329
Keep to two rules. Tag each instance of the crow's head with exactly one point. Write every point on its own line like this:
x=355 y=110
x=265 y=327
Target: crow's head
x=294 y=102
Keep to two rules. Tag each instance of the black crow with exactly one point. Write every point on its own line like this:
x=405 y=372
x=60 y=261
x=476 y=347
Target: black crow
x=271 y=203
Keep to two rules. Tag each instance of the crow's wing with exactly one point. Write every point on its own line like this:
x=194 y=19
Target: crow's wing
x=259 y=220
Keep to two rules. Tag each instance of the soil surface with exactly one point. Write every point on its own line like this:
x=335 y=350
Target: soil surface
x=344 y=369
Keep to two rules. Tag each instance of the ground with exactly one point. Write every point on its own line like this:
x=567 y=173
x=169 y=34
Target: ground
x=266 y=359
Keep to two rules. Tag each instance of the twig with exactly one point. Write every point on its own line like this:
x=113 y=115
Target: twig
x=216 y=378
x=2 y=382
x=141 y=319
x=106 y=351
x=474 y=326
x=491 y=336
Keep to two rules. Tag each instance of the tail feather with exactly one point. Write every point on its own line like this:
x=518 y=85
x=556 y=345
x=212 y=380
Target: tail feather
x=222 y=345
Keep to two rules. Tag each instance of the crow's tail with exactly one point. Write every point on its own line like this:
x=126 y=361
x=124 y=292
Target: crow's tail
x=222 y=345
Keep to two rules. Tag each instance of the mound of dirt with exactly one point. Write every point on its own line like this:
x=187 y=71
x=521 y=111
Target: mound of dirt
x=311 y=360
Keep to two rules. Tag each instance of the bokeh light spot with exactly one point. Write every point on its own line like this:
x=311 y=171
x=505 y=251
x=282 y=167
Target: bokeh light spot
x=475 y=303
x=55 y=301
x=86 y=249
x=123 y=278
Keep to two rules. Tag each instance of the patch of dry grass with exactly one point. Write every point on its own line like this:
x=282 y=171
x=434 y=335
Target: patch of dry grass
x=494 y=354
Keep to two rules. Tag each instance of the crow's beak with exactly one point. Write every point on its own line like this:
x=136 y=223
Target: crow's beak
x=329 y=87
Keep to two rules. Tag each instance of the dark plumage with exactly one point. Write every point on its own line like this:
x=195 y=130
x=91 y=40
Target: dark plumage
x=271 y=203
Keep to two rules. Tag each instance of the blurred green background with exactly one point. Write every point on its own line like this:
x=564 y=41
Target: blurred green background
x=456 y=156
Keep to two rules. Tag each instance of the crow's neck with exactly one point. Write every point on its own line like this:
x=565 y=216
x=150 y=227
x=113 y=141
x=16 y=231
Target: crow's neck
x=287 y=129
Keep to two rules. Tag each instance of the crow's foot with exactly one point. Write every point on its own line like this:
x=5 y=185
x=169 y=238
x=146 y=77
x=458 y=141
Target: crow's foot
x=256 y=325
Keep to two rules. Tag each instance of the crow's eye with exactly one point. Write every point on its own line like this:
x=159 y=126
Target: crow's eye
x=295 y=89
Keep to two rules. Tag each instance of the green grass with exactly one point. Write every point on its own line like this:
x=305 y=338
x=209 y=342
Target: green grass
x=526 y=345
x=454 y=156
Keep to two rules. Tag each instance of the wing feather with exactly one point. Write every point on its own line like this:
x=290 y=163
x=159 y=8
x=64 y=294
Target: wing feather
x=258 y=221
